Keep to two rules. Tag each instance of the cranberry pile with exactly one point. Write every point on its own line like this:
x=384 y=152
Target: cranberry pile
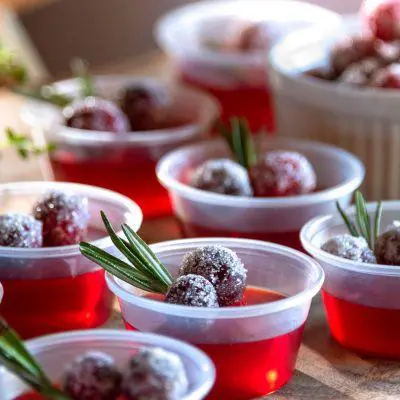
x=275 y=174
x=138 y=108
x=58 y=219
x=151 y=373
x=370 y=58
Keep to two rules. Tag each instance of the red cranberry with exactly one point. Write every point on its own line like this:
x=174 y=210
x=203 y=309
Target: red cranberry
x=96 y=114
x=388 y=77
x=18 y=230
x=192 y=290
x=383 y=18
x=360 y=73
x=64 y=216
x=93 y=376
x=282 y=173
x=222 y=176
x=220 y=266
x=157 y=374
x=387 y=247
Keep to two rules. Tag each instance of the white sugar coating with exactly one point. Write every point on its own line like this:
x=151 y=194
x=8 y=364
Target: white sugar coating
x=192 y=290
x=222 y=176
x=19 y=230
x=387 y=247
x=350 y=247
x=155 y=374
x=393 y=225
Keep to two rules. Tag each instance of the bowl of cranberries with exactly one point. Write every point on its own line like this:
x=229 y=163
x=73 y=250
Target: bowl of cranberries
x=115 y=365
x=48 y=285
x=114 y=138
x=341 y=86
x=221 y=46
x=268 y=198
x=361 y=260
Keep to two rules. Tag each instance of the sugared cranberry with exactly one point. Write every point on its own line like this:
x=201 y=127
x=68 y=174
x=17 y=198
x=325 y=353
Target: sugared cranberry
x=388 y=77
x=360 y=73
x=156 y=374
x=18 y=230
x=282 y=173
x=383 y=18
x=350 y=247
x=387 y=247
x=64 y=216
x=96 y=114
x=222 y=176
x=220 y=266
x=192 y=290
x=92 y=376
x=145 y=108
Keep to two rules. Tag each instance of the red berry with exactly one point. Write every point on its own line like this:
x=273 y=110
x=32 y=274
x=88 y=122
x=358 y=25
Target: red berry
x=65 y=218
x=192 y=290
x=387 y=247
x=282 y=173
x=388 y=77
x=360 y=73
x=154 y=373
x=383 y=18
x=96 y=114
x=93 y=376
x=18 y=230
x=221 y=267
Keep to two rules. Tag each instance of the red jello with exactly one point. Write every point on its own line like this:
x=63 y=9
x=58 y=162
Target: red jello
x=364 y=329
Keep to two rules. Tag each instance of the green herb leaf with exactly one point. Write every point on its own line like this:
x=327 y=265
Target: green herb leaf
x=12 y=73
x=80 y=68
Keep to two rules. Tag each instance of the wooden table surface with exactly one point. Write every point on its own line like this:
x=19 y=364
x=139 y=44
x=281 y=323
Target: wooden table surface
x=325 y=371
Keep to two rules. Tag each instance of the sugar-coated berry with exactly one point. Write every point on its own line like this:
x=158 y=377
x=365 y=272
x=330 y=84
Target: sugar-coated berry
x=192 y=290
x=387 y=247
x=388 y=77
x=383 y=18
x=360 y=74
x=222 y=176
x=282 y=173
x=155 y=374
x=93 y=376
x=220 y=266
x=350 y=247
x=65 y=218
x=19 y=230
x=95 y=114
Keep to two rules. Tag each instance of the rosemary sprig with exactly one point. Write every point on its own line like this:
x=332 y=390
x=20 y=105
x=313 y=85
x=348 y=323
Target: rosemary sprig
x=12 y=73
x=16 y=358
x=143 y=269
x=362 y=225
x=80 y=69
x=240 y=141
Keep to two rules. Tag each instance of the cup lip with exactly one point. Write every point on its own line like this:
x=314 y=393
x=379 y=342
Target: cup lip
x=90 y=191
x=316 y=224
x=50 y=342
x=162 y=29
x=202 y=196
x=209 y=106
x=223 y=312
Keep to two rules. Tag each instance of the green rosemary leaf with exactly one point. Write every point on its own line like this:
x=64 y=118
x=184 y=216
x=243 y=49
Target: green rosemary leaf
x=248 y=145
x=377 y=221
x=362 y=218
x=80 y=68
x=350 y=226
x=225 y=133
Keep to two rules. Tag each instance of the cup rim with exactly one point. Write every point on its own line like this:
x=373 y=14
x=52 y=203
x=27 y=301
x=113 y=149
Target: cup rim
x=202 y=196
x=315 y=225
x=90 y=191
x=50 y=342
x=208 y=105
x=224 y=312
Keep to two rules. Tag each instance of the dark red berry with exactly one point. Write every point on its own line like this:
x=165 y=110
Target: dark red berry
x=192 y=290
x=96 y=114
x=93 y=376
x=65 y=218
x=220 y=266
x=18 y=230
x=282 y=173
x=144 y=107
x=222 y=176
x=156 y=374
x=387 y=247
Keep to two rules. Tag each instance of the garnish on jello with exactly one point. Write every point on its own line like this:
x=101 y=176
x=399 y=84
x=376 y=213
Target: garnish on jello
x=12 y=72
x=19 y=230
x=209 y=276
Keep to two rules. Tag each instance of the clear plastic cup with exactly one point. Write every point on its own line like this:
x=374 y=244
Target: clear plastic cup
x=364 y=121
x=254 y=348
x=124 y=163
x=362 y=300
x=52 y=289
x=275 y=219
x=54 y=352
x=237 y=80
